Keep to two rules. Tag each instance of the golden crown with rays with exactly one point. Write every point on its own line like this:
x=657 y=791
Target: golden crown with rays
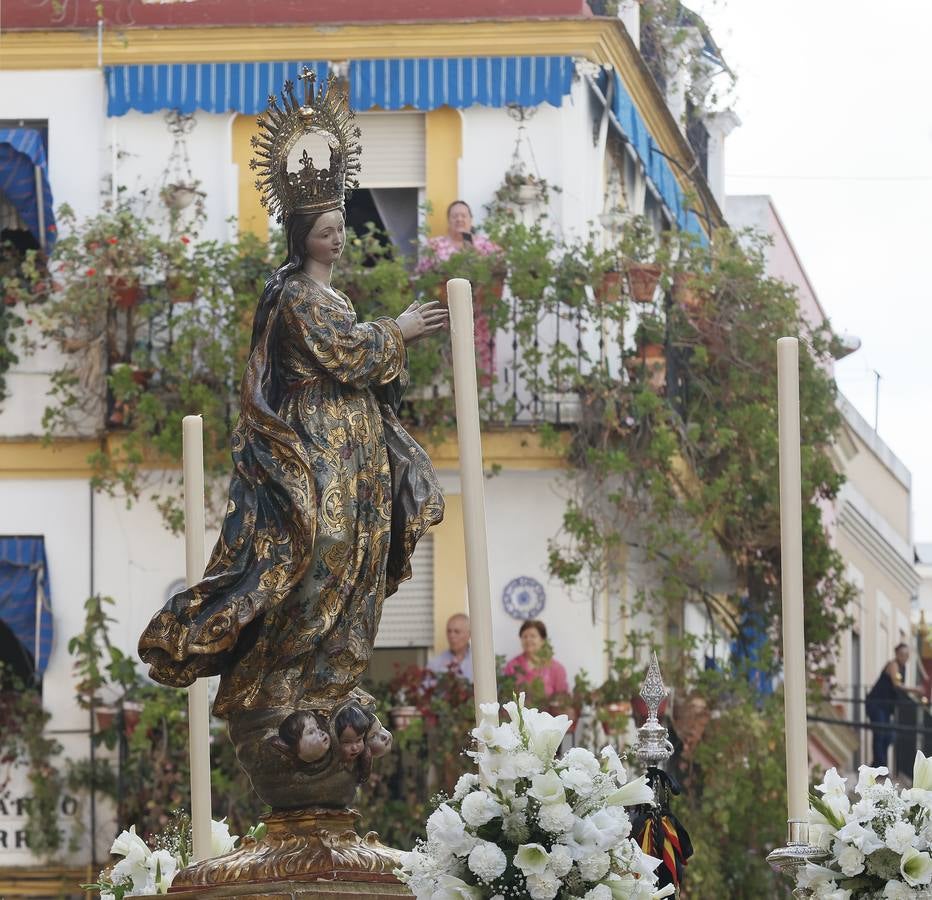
x=324 y=112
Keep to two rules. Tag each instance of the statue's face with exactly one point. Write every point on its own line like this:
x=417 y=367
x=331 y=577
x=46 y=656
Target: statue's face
x=325 y=241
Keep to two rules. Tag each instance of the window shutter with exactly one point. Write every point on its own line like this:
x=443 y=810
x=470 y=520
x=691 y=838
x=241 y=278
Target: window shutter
x=408 y=615
x=393 y=153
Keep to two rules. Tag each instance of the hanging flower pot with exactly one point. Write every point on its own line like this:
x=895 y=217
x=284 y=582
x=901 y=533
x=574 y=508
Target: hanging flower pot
x=142 y=377
x=642 y=281
x=402 y=716
x=651 y=362
x=614 y=716
x=608 y=290
x=104 y=717
x=132 y=712
x=686 y=294
x=126 y=292
x=180 y=195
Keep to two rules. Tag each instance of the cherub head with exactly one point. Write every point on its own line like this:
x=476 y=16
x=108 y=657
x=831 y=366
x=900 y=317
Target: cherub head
x=303 y=734
x=378 y=739
x=350 y=725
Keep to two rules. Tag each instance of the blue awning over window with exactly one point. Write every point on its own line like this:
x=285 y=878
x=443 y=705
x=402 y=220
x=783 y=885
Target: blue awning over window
x=385 y=83
x=25 y=599
x=657 y=168
x=23 y=168
x=212 y=87
x=469 y=81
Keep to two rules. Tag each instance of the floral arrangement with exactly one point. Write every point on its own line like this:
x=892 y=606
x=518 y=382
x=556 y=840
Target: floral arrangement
x=147 y=870
x=877 y=847
x=530 y=825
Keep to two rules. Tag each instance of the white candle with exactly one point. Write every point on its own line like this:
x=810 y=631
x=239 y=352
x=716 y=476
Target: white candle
x=198 y=705
x=462 y=335
x=791 y=557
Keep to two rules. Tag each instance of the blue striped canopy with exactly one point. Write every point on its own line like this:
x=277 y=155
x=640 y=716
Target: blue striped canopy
x=212 y=87
x=21 y=152
x=657 y=168
x=385 y=83
x=468 y=81
x=25 y=598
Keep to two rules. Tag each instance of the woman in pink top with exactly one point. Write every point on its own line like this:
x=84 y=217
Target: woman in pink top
x=528 y=666
x=459 y=238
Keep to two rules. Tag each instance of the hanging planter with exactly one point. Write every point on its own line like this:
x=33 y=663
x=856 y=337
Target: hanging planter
x=608 y=289
x=180 y=195
x=650 y=363
x=614 y=716
x=125 y=292
x=642 y=281
x=687 y=295
x=403 y=716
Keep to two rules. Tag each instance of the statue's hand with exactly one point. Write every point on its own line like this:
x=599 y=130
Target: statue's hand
x=421 y=320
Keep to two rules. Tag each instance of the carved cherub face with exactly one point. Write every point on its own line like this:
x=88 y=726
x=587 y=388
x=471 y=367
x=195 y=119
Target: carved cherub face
x=324 y=242
x=379 y=742
x=352 y=743
x=313 y=743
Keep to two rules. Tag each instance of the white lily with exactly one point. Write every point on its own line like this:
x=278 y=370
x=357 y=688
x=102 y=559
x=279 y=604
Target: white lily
x=634 y=793
x=916 y=867
x=867 y=777
x=532 y=859
x=548 y=788
x=130 y=844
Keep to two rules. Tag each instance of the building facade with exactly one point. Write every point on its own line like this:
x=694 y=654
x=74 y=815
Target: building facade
x=445 y=106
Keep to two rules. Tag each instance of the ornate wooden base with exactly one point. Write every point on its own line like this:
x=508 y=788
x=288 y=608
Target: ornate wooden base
x=308 y=845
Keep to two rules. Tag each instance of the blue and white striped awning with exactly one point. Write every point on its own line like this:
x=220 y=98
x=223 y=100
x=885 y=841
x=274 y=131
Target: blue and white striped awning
x=389 y=84
x=467 y=81
x=212 y=87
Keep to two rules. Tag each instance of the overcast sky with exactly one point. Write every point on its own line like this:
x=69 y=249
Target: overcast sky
x=835 y=98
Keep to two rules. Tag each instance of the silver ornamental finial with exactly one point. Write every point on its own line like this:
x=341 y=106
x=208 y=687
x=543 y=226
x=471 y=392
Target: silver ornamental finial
x=652 y=747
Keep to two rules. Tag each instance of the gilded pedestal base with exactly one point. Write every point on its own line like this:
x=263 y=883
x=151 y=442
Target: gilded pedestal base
x=309 y=845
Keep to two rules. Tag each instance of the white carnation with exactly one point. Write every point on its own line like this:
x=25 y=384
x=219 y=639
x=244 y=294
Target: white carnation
x=545 y=886
x=478 y=808
x=599 y=892
x=465 y=783
x=851 y=860
x=555 y=818
x=594 y=867
x=577 y=780
x=487 y=861
x=581 y=758
x=560 y=860
x=900 y=836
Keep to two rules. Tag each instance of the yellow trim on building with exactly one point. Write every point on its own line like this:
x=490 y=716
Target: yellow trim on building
x=443 y=137
x=516 y=448
x=449 y=569
x=250 y=212
x=513 y=448
x=31 y=458
x=601 y=40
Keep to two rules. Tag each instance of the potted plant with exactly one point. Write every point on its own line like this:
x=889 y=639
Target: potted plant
x=180 y=195
x=649 y=359
x=639 y=248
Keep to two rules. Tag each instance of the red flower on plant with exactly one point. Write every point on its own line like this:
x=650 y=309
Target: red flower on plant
x=185 y=239
x=112 y=240
x=91 y=272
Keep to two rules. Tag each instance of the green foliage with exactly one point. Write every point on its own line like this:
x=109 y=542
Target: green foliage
x=23 y=742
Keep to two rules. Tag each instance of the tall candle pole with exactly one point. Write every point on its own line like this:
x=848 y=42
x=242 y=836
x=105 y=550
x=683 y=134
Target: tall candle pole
x=198 y=704
x=462 y=335
x=798 y=850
